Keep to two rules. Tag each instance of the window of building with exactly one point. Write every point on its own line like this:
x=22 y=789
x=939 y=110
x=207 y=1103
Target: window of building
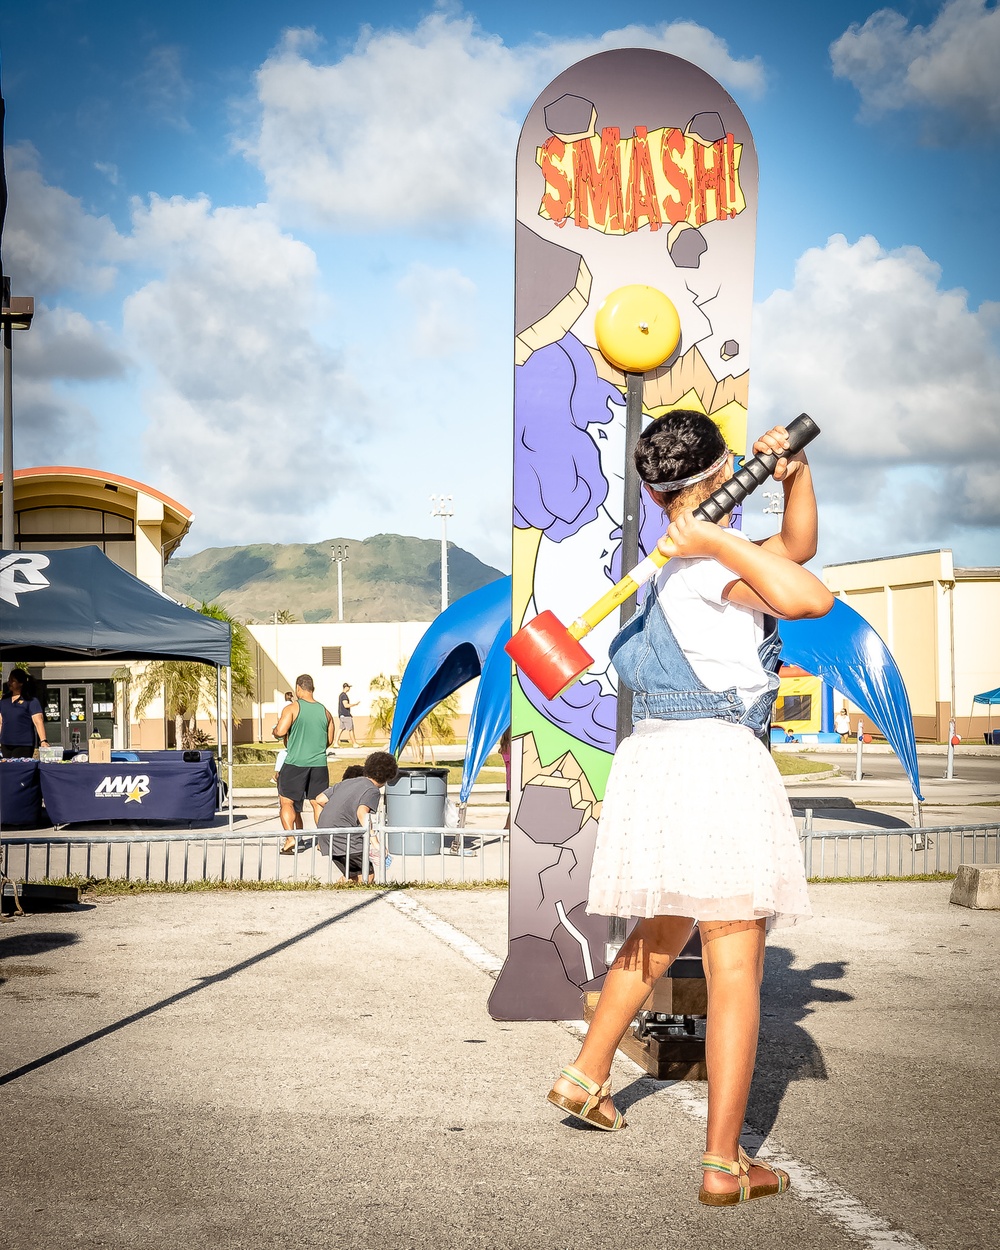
x=331 y=656
x=59 y=529
x=793 y=707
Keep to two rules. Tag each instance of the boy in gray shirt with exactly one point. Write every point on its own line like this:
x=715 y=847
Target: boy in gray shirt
x=347 y=805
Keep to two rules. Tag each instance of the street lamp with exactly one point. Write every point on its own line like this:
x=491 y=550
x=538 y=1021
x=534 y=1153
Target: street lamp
x=16 y=313
x=340 y=555
x=441 y=505
x=775 y=502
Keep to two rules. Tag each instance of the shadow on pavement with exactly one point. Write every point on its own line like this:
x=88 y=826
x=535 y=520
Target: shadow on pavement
x=17 y=945
x=204 y=983
x=786 y=1051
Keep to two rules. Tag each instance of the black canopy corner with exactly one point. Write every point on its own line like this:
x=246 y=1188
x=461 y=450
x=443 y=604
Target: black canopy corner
x=78 y=604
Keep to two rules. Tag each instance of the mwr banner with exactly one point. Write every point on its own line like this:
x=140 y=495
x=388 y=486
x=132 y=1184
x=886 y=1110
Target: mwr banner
x=160 y=790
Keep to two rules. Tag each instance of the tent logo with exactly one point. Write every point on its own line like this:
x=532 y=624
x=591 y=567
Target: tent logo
x=21 y=573
x=132 y=789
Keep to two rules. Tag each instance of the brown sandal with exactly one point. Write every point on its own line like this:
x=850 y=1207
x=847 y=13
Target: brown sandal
x=587 y=1109
x=740 y=1168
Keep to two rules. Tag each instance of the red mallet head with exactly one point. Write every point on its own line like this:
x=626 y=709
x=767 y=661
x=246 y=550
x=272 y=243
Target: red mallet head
x=547 y=654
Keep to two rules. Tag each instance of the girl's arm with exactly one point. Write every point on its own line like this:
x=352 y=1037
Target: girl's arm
x=799 y=521
x=765 y=580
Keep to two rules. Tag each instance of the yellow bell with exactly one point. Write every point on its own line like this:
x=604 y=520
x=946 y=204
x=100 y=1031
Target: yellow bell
x=637 y=328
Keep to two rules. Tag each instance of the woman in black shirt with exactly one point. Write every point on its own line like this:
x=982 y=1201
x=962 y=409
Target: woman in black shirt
x=20 y=718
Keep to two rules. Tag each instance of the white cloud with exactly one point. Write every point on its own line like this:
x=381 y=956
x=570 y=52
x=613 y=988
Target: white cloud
x=109 y=170
x=50 y=242
x=949 y=66
x=63 y=344
x=51 y=426
x=53 y=245
x=443 y=310
x=252 y=420
x=904 y=379
x=454 y=96
x=163 y=86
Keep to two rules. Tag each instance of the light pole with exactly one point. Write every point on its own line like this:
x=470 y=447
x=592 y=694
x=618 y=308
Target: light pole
x=16 y=314
x=775 y=502
x=340 y=555
x=441 y=505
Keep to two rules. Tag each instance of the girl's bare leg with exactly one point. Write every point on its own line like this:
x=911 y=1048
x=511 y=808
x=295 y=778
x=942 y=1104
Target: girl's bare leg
x=733 y=957
x=650 y=949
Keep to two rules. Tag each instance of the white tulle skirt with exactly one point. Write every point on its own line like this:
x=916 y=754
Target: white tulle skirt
x=695 y=822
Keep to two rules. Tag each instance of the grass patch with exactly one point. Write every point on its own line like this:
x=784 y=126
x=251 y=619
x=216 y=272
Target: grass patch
x=792 y=765
x=117 y=886
x=258 y=776
x=917 y=876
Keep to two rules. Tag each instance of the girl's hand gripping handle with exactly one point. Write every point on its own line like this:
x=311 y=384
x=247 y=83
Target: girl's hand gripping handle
x=801 y=432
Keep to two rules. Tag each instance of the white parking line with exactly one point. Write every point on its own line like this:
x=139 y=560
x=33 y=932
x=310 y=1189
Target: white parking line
x=833 y=1203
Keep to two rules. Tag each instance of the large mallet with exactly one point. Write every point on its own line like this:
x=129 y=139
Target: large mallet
x=550 y=654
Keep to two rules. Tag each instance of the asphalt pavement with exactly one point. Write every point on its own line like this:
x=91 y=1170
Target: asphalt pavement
x=261 y=1070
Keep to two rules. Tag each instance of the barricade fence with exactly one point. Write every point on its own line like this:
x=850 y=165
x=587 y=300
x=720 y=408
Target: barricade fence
x=877 y=852
x=432 y=855
x=395 y=855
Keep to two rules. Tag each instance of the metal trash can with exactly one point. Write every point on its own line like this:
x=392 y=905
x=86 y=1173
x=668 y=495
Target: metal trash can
x=416 y=797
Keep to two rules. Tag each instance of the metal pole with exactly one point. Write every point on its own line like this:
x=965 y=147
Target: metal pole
x=630 y=528
x=218 y=726
x=8 y=439
x=340 y=590
x=444 y=561
x=340 y=555
x=618 y=925
x=229 y=740
x=950 y=771
x=441 y=505
x=857 y=762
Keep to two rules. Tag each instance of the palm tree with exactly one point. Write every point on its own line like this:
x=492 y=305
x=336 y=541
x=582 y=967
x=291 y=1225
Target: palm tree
x=188 y=687
x=435 y=727
x=285 y=617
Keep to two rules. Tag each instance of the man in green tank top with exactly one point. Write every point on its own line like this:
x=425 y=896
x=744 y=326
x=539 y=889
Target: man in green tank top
x=304 y=774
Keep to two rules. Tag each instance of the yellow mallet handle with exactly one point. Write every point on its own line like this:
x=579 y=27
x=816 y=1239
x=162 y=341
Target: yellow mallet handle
x=617 y=595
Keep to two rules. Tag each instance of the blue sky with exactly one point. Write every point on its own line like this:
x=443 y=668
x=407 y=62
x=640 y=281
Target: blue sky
x=257 y=291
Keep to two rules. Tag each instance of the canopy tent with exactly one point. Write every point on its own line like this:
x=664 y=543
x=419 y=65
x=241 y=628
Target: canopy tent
x=848 y=654
x=77 y=604
x=459 y=645
x=991 y=698
x=490 y=711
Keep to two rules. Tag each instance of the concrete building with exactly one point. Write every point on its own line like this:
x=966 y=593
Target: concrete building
x=138 y=527
x=940 y=623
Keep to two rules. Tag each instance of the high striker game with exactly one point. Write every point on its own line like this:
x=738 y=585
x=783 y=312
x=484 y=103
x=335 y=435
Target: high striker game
x=634 y=168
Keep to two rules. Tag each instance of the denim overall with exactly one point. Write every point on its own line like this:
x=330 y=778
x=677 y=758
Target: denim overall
x=648 y=659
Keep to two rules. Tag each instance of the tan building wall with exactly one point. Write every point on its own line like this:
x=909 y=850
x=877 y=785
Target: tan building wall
x=366 y=650
x=939 y=622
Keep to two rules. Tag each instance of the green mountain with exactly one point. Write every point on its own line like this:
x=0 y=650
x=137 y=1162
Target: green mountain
x=386 y=578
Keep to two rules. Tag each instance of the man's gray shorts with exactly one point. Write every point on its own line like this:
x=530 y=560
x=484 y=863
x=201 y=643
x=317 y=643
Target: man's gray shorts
x=347 y=723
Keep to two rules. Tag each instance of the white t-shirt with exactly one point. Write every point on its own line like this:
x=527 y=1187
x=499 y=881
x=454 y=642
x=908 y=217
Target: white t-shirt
x=720 y=639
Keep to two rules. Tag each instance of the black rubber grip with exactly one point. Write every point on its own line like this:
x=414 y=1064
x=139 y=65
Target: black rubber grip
x=801 y=432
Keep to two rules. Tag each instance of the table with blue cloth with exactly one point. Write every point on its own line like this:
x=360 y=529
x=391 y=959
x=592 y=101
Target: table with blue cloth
x=160 y=785
x=20 y=794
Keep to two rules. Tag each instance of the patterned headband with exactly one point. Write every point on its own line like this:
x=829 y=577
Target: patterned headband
x=690 y=481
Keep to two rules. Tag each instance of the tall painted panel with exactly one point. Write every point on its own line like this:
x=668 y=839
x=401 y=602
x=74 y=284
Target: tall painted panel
x=633 y=166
